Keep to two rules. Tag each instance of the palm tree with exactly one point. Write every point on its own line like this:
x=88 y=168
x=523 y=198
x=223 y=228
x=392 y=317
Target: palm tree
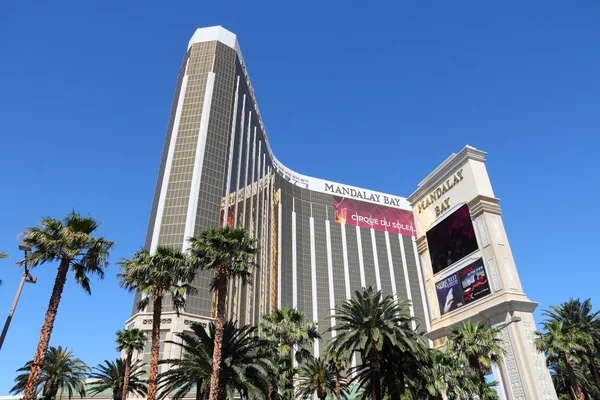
x=317 y=376
x=129 y=340
x=475 y=346
x=562 y=381
x=2 y=255
x=365 y=324
x=290 y=335
x=581 y=314
x=70 y=242
x=564 y=342
x=229 y=253
x=166 y=271
x=113 y=375
x=338 y=363
x=243 y=370
x=436 y=375
x=59 y=371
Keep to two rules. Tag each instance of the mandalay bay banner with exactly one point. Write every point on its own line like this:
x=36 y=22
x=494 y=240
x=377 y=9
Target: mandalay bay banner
x=368 y=215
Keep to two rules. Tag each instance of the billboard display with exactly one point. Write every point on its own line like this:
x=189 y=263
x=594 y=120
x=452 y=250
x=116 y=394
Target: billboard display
x=368 y=215
x=451 y=240
x=449 y=294
x=474 y=282
x=463 y=287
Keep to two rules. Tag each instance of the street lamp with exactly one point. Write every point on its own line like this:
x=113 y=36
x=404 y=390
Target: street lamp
x=504 y=325
x=26 y=277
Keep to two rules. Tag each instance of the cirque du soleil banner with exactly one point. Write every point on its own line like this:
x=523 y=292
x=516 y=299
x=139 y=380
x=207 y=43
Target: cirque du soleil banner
x=367 y=215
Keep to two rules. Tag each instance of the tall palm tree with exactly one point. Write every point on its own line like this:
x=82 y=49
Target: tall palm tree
x=564 y=342
x=290 y=334
x=229 y=252
x=317 y=377
x=112 y=375
x=70 y=242
x=59 y=371
x=365 y=324
x=476 y=346
x=243 y=371
x=166 y=271
x=129 y=340
x=562 y=381
x=577 y=313
x=2 y=255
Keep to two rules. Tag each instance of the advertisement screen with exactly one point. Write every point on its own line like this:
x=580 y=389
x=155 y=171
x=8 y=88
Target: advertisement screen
x=449 y=293
x=463 y=287
x=368 y=215
x=451 y=240
x=474 y=282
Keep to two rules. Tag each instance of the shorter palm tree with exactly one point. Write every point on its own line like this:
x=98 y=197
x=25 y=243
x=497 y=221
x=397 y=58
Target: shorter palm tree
x=111 y=376
x=367 y=324
x=476 y=346
x=316 y=377
x=243 y=370
x=564 y=342
x=60 y=371
x=290 y=335
x=129 y=340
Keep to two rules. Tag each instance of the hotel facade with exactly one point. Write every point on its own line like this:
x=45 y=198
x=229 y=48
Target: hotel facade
x=320 y=241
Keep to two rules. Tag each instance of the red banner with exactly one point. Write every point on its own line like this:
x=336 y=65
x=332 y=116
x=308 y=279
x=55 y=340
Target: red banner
x=368 y=215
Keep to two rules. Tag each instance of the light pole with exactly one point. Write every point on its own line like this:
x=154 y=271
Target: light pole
x=512 y=320
x=26 y=277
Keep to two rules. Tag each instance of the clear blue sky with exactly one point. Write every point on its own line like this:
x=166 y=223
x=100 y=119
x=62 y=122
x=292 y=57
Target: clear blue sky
x=374 y=96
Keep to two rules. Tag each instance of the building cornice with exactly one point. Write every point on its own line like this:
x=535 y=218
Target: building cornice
x=448 y=167
x=481 y=204
x=483 y=311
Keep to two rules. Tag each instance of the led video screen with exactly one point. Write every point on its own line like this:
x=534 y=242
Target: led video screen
x=451 y=240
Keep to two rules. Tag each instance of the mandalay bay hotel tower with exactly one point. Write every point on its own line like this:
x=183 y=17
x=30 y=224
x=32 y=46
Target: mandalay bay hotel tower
x=319 y=241
x=444 y=247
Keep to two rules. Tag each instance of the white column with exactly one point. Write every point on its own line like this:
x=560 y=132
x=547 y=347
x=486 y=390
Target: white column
x=252 y=220
x=421 y=284
x=294 y=264
x=345 y=258
x=407 y=280
x=239 y=164
x=375 y=260
x=391 y=265
x=231 y=148
x=167 y=172
x=361 y=263
x=330 y=276
x=313 y=275
x=279 y=214
x=271 y=212
x=256 y=231
x=190 y=220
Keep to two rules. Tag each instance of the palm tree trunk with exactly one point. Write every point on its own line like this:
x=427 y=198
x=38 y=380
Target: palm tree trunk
x=156 y=314
x=375 y=367
x=338 y=386
x=594 y=370
x=126 y=375
x=42 y=348
x=573 y=378
x=220 y=320
x=199 y=390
